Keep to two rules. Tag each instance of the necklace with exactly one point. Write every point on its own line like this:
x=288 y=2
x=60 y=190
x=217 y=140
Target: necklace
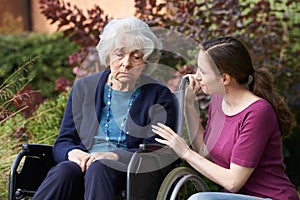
x=109 y=112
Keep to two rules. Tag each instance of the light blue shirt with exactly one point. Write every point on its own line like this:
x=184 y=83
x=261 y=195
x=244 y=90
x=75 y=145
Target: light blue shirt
x=119 y=106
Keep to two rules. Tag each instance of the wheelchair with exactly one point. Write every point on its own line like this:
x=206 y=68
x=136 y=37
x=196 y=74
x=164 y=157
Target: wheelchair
x=148 y=175
x=33 y=162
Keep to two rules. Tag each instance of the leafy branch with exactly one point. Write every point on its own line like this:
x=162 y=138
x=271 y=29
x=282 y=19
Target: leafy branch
x=10 y=96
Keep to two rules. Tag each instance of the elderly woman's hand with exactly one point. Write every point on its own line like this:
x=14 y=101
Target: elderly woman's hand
x=84 y=159
x=80 y=157
x=100 y=156
x=171 y=139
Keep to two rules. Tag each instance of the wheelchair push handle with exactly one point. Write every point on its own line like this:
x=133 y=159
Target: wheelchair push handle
x=185 y=80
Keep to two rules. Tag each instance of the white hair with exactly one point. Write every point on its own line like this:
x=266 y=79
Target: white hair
x=137 y=35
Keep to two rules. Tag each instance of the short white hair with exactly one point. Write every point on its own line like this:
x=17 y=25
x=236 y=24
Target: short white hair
x=137 y=35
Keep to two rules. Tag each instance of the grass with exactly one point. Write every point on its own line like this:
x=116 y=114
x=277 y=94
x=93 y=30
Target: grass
x=8 y=151
x=9 y=148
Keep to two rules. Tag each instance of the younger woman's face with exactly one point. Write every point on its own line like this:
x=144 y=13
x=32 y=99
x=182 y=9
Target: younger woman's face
x=208 y=74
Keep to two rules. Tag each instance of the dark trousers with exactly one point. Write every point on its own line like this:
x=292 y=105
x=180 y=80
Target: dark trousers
x=67 y=181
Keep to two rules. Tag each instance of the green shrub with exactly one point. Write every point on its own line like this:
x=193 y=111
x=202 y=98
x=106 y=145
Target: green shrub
x=52 y=52
x=44 y=125
x=269 y=28
x=10 y=96
x=42 y=128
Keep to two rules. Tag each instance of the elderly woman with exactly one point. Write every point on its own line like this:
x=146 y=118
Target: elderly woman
x=109 y=114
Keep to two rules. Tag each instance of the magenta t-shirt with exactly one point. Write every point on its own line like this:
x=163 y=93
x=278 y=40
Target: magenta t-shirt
x=251 y=139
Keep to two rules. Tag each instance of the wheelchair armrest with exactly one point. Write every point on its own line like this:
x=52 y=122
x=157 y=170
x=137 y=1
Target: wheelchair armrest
x=151 y=157
x=40 y=150
x=35 y=150
x=157 y=151
x=147 y=168
x=40 y=156
x=147 y=148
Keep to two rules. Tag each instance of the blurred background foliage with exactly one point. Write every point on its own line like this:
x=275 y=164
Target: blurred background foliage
x=51 y=52
x=270 y=29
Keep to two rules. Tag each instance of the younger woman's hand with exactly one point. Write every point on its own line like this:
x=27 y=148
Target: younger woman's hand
x=194 y=82
x=193 y=88
x=171 y=139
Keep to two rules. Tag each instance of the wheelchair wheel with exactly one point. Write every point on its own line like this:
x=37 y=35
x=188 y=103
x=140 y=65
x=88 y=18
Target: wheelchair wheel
x=181 y=183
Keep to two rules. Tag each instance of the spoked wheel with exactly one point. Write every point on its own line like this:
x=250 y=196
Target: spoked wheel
x=180 y=184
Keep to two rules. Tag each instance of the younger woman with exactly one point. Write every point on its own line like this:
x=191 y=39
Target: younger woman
x=247 y=121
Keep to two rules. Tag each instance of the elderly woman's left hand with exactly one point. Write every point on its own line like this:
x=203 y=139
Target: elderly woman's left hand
x=171 y=139
x=100 y=156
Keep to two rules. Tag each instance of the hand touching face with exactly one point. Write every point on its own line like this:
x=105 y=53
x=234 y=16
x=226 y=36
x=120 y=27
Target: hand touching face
x=208 y=75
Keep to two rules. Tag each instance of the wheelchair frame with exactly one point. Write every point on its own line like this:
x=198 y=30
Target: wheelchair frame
x=33 y=162
x=37 y=161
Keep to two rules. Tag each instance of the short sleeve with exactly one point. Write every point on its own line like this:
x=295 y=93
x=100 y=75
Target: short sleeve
x=255 y=131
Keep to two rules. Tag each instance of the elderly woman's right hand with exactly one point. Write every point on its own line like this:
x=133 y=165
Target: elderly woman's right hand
x=80 y=157
x=100 y=156
x=84 y=159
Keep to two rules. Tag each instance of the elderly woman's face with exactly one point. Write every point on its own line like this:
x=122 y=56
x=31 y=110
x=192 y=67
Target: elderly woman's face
x=126 y=65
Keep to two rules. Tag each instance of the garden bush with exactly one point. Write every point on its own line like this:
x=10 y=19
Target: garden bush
x=45 y=121
x=51 y=52
x=41 y=128
x=269 y=28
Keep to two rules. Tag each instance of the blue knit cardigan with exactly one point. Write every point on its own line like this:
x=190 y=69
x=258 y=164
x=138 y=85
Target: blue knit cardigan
x=82 y=114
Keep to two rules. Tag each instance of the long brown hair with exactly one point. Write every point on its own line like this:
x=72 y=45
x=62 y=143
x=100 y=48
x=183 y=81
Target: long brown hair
x=232 y=57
